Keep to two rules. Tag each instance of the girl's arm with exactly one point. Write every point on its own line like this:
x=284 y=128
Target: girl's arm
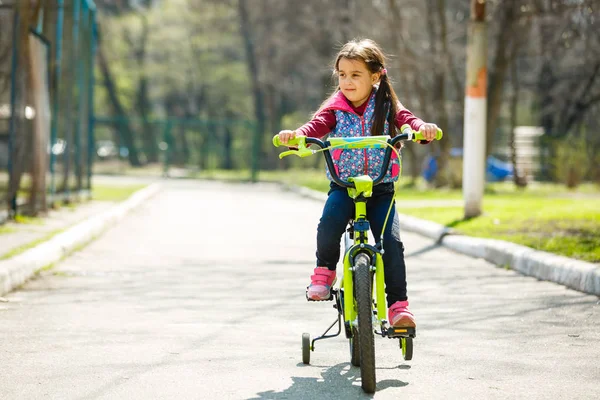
x=322 y=123
x=404 y=116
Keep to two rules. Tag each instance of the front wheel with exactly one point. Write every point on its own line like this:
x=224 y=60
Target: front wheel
x=366 y=342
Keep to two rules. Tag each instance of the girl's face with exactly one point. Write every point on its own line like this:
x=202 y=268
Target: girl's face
x=355 y=80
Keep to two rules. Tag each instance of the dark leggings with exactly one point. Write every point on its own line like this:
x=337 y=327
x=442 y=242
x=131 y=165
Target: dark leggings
x=339 y=209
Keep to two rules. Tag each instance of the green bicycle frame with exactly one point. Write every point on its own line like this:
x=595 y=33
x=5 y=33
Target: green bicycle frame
x=360 y=194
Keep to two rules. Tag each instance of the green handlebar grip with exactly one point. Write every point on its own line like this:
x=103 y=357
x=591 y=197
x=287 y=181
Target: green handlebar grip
x=438 y=135
x=417 y=135
x=291 y=143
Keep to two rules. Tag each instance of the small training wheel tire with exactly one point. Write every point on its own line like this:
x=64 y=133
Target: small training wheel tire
x=306 y=348
x=406 y=345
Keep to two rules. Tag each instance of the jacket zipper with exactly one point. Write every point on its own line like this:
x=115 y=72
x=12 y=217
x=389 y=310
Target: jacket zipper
x=362 y=130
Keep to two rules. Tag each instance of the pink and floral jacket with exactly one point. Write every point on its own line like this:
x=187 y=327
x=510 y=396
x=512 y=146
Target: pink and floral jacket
x=349 y=123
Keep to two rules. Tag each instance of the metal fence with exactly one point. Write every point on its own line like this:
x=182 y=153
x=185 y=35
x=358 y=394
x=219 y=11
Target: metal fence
x=181 y=143
x=46 y=103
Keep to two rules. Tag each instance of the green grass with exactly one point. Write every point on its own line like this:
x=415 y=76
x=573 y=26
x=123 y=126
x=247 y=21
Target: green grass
x=24 y=219
x=114 y=193
x=6 y=230
x=565 y=226
x=121 y=167
x=21 y=249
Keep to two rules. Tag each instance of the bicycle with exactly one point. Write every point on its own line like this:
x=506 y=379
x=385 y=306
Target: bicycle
x=356 y=302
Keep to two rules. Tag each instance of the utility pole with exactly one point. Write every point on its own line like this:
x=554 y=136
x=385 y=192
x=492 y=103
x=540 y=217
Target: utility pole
x=475 y=111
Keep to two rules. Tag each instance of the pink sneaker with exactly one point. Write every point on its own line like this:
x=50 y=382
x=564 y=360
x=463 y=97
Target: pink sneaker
x=399 y=315
x=320 y=284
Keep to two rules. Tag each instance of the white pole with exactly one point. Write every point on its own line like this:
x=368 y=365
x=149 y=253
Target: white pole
x=475 y=112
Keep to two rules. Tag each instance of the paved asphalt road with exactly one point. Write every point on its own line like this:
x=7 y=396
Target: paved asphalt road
x=199 y=294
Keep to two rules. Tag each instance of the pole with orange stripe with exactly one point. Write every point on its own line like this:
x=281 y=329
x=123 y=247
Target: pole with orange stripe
x=475 y=112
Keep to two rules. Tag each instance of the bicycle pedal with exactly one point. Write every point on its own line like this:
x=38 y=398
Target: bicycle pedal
x=400 y=332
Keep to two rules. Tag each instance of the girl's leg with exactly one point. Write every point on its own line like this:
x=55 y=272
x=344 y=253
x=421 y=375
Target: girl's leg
x=393 y=257
x=336 y=213
x=338 y=210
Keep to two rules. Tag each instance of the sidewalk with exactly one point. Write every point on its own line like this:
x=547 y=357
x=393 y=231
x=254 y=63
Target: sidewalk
x=49 y=239
x=23 y=234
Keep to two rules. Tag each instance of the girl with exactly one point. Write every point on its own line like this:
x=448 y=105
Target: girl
x=363 y=103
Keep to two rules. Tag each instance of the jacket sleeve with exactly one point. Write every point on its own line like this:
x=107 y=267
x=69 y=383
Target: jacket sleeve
x=322 y=123
x=404 y=116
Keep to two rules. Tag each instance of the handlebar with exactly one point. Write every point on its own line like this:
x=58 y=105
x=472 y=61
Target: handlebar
x=359 y=142
x=366 y=142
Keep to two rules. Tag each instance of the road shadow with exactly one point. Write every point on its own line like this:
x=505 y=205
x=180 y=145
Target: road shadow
x=337 y=382
x=423 y=250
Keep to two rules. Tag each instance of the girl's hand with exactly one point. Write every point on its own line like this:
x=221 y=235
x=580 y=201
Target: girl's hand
x=286 y=136
x=428 y=131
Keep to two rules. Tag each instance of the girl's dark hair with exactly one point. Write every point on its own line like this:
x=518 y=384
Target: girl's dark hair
x=386 y=100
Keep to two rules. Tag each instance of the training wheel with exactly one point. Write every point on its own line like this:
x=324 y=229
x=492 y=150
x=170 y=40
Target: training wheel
x=406 y=345
x=306 y=348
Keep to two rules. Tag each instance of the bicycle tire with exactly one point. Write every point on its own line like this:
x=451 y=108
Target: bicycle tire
x=306 y=348
x=406 y=345
x=366 y=341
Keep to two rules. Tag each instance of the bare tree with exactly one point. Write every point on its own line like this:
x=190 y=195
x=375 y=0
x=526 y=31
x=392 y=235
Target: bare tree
x=124 y=125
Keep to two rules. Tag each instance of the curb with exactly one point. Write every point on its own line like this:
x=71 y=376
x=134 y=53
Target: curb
x=17 y=270
x=575 y=274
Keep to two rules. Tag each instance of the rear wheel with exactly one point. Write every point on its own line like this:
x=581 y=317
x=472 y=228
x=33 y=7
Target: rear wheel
x=306 y=348
x=366 y=342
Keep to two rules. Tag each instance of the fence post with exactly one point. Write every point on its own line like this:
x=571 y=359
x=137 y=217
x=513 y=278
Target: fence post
x=256 y=145
x=92 y=81
x=77 y=22
x=166 y=148
x=56 y=101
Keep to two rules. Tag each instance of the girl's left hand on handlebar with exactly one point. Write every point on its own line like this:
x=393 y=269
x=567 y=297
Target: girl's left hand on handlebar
x=428 y=131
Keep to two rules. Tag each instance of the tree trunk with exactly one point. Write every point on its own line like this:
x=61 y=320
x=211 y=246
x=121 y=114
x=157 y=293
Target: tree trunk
x=118 y=109
x=519 y=179
x=183 y=156
x=403 y=53
x=204 y=141
x=575 y=111
x=148 y=133
x=499 y=70
x=257 y=91
x=347 y=20
x=443 y=175
x=228 y=143
x=39 y=94
x=17 y=139
x=32 y=93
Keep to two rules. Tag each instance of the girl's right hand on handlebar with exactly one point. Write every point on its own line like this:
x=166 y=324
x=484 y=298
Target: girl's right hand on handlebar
x=286 y=135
